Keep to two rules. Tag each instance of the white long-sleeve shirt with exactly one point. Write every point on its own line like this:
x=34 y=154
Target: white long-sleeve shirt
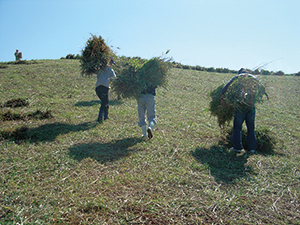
x=104 y=76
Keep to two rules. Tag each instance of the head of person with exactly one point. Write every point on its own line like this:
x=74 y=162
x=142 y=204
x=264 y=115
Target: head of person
x=242 y=70
x=111 y=62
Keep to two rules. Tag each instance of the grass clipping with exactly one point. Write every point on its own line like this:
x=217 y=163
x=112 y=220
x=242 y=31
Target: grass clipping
x=134 y=77
x=95 y=56
x=237 y=97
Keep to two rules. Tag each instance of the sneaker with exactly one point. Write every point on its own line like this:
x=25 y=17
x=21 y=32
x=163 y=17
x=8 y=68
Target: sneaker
x=235 y=150
x=149 y=131
x=252 y=151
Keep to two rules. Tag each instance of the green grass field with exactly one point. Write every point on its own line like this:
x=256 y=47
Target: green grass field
x=69 y=169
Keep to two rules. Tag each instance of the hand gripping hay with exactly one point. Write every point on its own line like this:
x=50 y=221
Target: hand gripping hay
x=95 y=56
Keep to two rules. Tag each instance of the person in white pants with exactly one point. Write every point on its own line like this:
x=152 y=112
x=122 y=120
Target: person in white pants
x=146 y=103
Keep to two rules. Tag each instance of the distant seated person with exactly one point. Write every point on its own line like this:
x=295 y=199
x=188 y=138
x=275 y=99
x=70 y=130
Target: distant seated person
x=18 y=55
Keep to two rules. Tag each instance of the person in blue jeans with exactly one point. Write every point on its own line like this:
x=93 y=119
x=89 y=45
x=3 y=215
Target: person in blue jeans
x=102 y=88
x=246 y=114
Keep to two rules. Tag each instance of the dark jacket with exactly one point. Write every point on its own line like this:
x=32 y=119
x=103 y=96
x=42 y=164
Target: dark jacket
x=150 y=90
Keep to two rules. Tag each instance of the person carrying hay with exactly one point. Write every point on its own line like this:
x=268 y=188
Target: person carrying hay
x=18 y=55
x=242 y=91
x=153 y=74
x=146 y=102
x=102 y=88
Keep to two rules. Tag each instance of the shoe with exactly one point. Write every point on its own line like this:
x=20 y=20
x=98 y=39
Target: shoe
x=100 y=116
x=235 y=150
x=106 y=117
x=149 y=131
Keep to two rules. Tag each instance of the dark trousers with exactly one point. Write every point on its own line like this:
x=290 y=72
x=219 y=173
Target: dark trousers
x=248 y=116
x=102 y=93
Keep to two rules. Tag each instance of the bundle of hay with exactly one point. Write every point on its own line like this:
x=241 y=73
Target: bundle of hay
x=237 y=97
x=241 y=91
x=135 y=77
x=224 y=114
x=17 y=102
x=154 y=72
x=95 y=56
x=128 y=84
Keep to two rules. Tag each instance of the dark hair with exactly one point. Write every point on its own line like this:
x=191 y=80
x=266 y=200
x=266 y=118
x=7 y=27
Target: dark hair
x=112 y=61
x=242 y=70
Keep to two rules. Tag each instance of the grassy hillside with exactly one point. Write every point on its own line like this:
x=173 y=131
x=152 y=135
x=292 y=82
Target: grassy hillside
x=69 y=169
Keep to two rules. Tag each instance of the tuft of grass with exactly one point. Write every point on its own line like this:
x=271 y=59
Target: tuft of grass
x=18 y=102
x=10 y=116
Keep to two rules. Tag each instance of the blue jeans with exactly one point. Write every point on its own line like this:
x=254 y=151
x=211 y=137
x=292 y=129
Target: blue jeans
x=102 y=93
x=248 y=116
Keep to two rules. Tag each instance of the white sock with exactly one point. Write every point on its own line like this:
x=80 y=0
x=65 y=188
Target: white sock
x=151 y=125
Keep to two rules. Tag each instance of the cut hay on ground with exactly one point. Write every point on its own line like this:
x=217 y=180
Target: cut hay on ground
x=266 y=141
x=18 y=102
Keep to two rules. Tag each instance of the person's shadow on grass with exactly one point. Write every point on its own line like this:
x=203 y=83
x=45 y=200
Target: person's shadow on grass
x=97 y=102
x=224 y=166
x=47 y=132
x=105 y=152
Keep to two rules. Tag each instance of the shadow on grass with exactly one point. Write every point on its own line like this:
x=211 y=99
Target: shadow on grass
x=44 y=133
x=104 y=152
x=224 y=166
x=97 y=102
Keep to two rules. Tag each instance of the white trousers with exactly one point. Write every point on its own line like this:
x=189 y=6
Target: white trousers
x=146 y=103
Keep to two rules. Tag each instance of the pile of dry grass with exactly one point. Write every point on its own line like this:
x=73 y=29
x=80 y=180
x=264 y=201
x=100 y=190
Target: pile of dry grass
x=38 y=115
x=266 y=141
x=95 y=55
x=17 y=102
x=135 y=77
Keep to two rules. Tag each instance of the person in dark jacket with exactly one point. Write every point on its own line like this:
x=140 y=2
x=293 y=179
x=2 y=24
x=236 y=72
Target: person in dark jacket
x=246 y=114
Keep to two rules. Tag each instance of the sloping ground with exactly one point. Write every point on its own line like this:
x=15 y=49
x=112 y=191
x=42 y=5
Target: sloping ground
x=69 y=169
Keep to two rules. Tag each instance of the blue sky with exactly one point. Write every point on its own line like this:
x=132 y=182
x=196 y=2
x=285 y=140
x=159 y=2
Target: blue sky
x=210 y=33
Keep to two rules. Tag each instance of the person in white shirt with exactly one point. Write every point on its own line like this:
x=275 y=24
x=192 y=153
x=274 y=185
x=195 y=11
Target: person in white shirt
x=102 y=88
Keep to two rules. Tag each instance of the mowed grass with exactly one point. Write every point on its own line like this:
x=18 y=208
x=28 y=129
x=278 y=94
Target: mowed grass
x=71 y=170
